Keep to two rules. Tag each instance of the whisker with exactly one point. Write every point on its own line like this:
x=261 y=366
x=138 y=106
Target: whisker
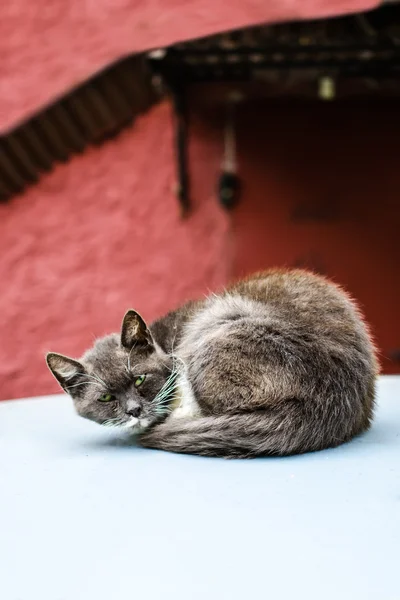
x=133 y=369
x=168 y=385
x=166 y=366
x=115 y=422
x=162 y=400
x=173 y=341
x=84 y=383
x=97 y=378
x=129 y=357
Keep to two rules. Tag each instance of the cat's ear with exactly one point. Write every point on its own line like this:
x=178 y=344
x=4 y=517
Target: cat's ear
x=134 y=331
x=66 y=370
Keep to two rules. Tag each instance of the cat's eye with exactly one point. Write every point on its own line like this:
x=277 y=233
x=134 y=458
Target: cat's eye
x=139 y=380
x=106 y=398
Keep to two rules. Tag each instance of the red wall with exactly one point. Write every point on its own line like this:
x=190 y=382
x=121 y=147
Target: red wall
x=322 y=190
x=99 y=235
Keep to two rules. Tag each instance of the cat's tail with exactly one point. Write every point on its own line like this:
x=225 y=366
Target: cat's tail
x=283 y=429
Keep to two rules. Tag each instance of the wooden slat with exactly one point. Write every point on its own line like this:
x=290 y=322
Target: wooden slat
x=15 y=147
x=69 y=128
x=90 y=114
x=9 y=171
x=53 y=137
x=36 y=147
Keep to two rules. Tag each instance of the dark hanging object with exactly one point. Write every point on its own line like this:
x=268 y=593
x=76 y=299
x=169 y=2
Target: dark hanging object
x=229 y=183
x=178 y=96
x=228 y=189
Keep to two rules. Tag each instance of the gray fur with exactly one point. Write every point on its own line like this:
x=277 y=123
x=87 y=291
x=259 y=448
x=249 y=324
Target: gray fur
x=280 y=363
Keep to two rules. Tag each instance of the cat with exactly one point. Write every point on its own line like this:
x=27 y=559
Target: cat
x=280 y=363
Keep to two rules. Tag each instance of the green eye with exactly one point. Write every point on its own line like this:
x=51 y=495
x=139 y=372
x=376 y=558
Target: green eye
x=106 y=398
x=139 y=380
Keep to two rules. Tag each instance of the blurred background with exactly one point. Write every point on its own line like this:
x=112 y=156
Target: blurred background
x=151 y=153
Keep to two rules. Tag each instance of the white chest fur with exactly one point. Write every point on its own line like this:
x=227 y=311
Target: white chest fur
x=185 y=405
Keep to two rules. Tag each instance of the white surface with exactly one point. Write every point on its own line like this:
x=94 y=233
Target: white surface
x=85 y=517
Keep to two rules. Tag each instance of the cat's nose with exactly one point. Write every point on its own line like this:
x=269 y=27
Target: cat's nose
x=133 y=411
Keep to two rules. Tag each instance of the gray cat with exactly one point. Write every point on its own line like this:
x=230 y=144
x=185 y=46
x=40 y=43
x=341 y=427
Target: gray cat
x=280 y=363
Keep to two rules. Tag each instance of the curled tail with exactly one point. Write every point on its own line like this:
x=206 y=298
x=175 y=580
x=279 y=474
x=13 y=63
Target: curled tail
x=280 y=430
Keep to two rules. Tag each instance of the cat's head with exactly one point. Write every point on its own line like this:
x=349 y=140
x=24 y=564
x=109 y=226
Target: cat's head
x=124 y=380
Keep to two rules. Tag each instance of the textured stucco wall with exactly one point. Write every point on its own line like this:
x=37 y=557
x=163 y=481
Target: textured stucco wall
x=102 y=234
